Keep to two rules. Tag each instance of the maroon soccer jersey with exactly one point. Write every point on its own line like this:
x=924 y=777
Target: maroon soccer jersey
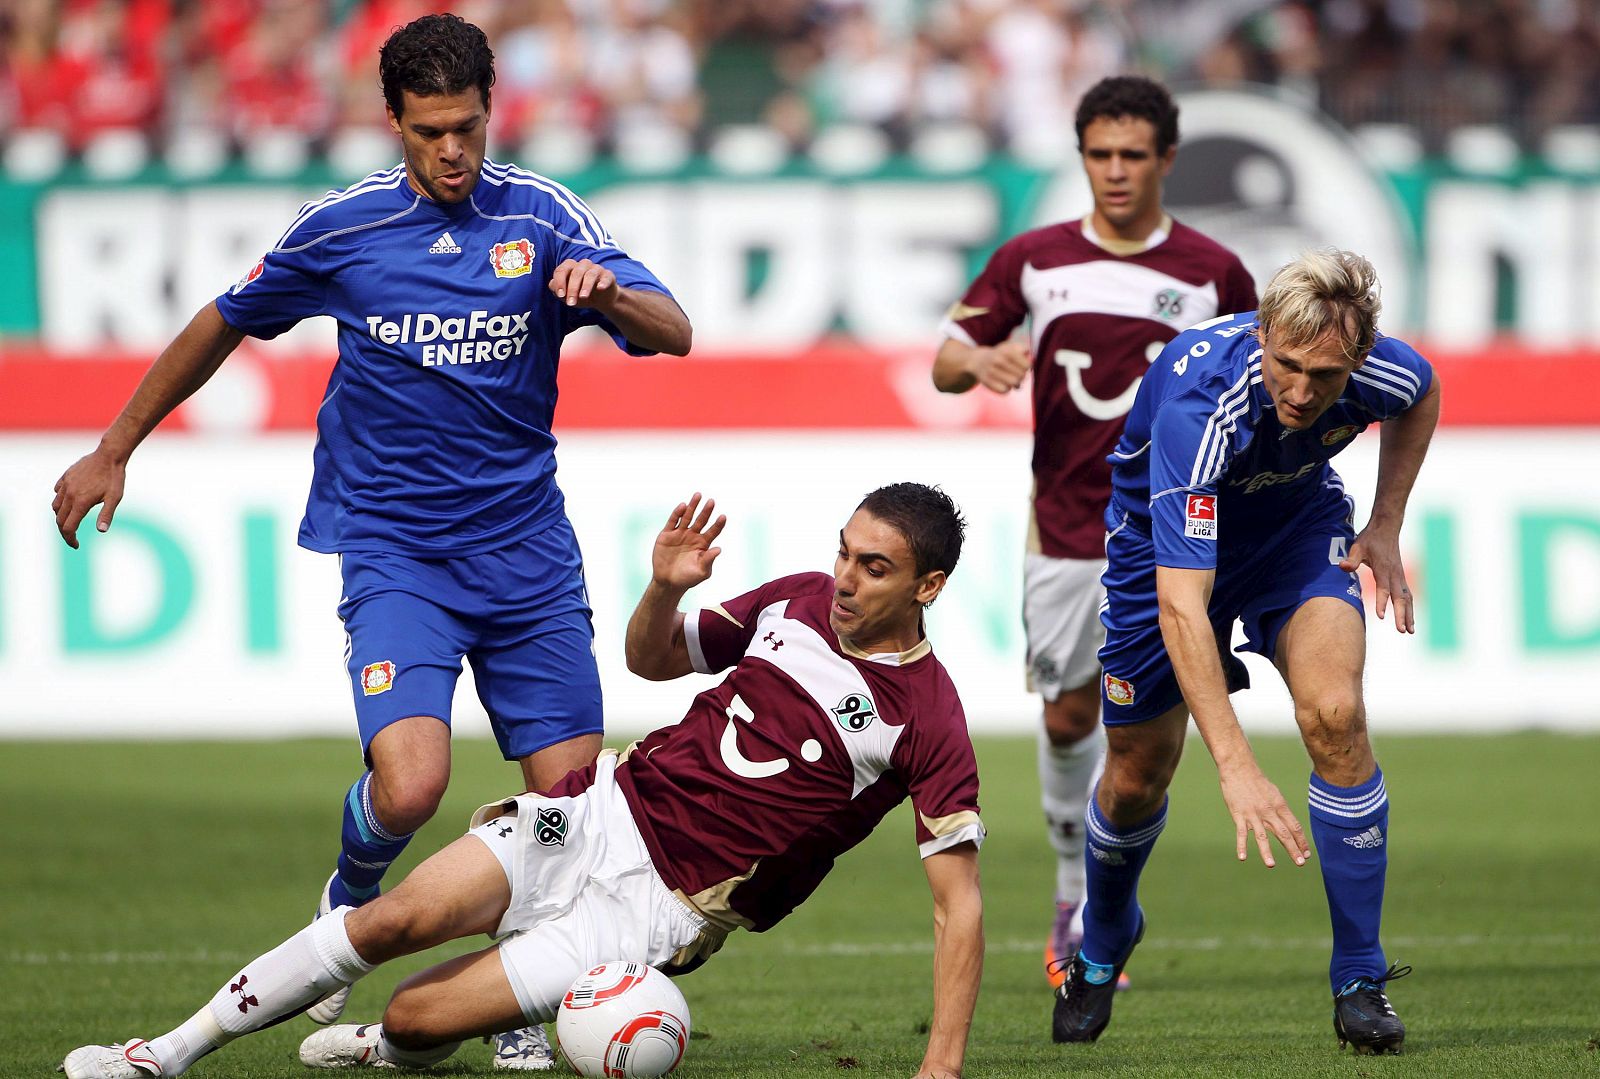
x=1096 y=321
x=795 y=756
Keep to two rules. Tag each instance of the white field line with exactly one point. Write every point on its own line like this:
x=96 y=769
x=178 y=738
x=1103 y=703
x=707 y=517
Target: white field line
x=869 y=949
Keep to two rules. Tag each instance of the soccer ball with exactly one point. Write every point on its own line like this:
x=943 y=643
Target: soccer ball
x=623 y=1020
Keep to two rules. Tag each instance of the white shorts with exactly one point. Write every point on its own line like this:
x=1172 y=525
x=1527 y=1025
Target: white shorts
x=583 y=891
x=1061 y=600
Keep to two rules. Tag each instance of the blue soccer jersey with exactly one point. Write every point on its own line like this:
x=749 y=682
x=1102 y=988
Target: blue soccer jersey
x=433 y=439
x=1204 y=463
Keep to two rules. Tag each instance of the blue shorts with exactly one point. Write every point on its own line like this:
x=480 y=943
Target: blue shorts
x=1262 y=584
x=519 y=614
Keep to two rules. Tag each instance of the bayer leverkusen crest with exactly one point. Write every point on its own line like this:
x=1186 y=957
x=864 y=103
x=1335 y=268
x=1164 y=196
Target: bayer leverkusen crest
x=512 y=258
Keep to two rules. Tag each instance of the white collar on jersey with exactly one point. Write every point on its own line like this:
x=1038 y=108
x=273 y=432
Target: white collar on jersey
x=891 y=659
x=1128 y=247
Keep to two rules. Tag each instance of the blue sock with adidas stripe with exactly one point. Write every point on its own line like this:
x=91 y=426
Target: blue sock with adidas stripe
x=367 y=848
x=1350 y=826
x=1116 y=858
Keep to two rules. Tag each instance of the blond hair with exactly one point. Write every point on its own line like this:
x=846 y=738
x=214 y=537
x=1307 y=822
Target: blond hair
x=1321 y=291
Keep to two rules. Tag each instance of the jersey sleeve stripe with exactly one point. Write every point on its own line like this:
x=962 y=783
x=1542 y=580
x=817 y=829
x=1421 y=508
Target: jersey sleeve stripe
x=972 y=832
x=1385 y=386
x=353 y=228
x=1224 y=419
x=388 y=179
x=691 y=637
x=1395 y=370
x=951 y=329
x=588 y=224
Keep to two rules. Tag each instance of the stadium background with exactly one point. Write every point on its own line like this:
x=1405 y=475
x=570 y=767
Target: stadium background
x=816 y=180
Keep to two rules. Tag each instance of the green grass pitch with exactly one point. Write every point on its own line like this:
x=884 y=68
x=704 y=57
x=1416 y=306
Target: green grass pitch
x=136 y=877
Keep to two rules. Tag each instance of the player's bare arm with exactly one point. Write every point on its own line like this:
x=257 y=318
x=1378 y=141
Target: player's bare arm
x=647 y=319
x=957 y=957
x=1403 y=443
x=682 y=558
x=1253 y=800
x=182 y=368
x=1001 y=368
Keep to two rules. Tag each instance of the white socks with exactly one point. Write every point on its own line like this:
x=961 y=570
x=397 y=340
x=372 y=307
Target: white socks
x=1066 y=776
x=272 y=987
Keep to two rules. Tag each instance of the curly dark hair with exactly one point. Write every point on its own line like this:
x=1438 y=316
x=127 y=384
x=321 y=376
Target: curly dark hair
x=434 y=55
x=1135 y=96
x=926 y=517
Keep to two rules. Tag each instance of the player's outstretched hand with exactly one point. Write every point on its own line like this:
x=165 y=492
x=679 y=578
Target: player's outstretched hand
x=683 y=553
x=1379 y=550
x=584 y=284
x=1258 y=808
x=94 y=480
x=1003 y=367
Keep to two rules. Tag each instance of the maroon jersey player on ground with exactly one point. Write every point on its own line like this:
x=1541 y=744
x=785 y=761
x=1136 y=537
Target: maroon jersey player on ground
x=835 y=711
x=1102 y=295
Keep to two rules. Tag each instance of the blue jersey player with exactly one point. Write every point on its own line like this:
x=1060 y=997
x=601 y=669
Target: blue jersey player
x=1224 y=506
x=453 y=280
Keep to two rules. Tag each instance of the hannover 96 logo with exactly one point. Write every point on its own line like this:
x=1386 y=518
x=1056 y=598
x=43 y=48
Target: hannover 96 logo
x=550 y=828
x=855 y=712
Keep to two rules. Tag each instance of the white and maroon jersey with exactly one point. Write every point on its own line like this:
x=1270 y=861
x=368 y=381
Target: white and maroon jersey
x=1097 y=318
x=796 y=756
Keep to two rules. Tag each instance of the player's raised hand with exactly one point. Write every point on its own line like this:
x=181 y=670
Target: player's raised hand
x=683 y=553
x=584 y=284
x=1379 y=550
x=95 y=479
x=1258 y=809
x=1003 y=367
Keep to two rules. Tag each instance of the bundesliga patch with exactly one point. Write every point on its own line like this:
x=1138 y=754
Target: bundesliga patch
x=1200 y=519
x=255 y=271
x=1339 y=434
x=512 y=259
x=377 y=678
x=1119 y=690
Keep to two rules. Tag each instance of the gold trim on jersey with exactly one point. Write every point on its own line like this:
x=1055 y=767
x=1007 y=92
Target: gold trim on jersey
x=1128 y=247
x=940 y=826
x=959 y=311
x=911 y=655
x=723 y=611
x=714 y=905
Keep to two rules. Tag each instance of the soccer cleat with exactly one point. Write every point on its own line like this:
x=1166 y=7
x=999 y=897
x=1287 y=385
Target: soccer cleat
x=344 y=1046
x=131 y=1061
x=1363 y=1016
x=527 y=1050
x=1083 y=1007
x=327 y=1011
x=1066 y=933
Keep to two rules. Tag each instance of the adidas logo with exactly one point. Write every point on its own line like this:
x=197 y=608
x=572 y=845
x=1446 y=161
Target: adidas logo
x=1372 y=837
x=1112 y=857
x=445 y=245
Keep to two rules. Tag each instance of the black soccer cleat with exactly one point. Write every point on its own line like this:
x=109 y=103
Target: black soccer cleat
x=1363 y=1016
x=1083 y=1008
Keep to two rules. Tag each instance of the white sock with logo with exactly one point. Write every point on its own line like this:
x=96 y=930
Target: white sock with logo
x=272 y=987
x=1066 y=776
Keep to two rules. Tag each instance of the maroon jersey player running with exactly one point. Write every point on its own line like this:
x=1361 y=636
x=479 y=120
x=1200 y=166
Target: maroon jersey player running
x=1102 y=296
x=835 y=711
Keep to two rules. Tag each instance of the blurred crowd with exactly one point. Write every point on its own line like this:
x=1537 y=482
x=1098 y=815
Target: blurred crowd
x=607 y=68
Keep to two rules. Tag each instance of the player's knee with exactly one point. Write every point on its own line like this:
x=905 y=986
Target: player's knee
x=1071 y=718
x=408 y=802
x=394 y=926
x=408 y=1021
x=1334 y=727
x=1133 y=791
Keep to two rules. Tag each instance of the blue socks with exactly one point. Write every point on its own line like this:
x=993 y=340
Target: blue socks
x=1116 y=858
x=367 y=848
x=1350 y=826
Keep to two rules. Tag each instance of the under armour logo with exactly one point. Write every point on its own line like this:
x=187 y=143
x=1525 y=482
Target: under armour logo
x=246 y=1000
x=505 y=830
x=768 y=639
